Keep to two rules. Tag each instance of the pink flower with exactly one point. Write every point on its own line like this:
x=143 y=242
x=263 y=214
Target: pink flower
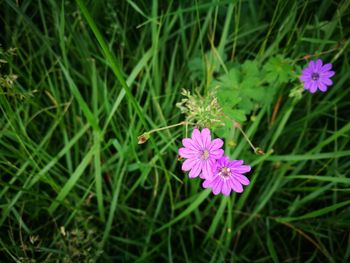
x=228 y=175
x=201 y=153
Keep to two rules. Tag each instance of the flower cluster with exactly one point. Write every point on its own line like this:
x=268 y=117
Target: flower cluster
x=202 y=110
x=205 y=158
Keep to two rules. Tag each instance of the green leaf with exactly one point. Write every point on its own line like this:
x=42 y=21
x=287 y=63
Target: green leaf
x=278 y=69
x=246 y=104
x=227 y=96
x=231 y=79
x=238 y=115
x=250 y=69
x=251 y=74
x=257 y=93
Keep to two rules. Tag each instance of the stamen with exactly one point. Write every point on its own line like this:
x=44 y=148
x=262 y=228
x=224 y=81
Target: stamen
x=225 y=172
x=205 y=154
x=315 y=76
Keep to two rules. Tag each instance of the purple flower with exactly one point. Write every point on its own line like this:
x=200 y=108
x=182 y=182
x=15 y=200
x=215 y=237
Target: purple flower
x=316 y=76
x=228 y=175
x=201 y=153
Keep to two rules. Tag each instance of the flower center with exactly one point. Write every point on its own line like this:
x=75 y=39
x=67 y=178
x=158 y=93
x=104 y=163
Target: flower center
x=225 y=172
x=315 y=76
x=205 y=154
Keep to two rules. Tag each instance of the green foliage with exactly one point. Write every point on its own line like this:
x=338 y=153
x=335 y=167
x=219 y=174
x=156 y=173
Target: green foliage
x=241 y=89
x=252 y=85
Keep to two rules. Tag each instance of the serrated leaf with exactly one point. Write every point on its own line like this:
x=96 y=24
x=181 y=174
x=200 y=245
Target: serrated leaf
x=256 y=93
x=250 y=69
x=230 y=80
x=278 y=69
x=246 y=105
x=251 y=74
x=271 y=76
x=234 y=114
x=228 y=96
x=250 y=82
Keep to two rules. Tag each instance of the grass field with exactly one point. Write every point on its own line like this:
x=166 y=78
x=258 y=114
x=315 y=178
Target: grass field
x=82 y=80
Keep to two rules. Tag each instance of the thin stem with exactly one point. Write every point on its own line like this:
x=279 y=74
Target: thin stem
x=248 y=140
x=145 y=136
x=308 y=56
x=257 y=150
x=170 y=126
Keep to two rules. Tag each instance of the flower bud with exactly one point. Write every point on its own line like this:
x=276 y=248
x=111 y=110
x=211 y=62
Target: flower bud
x=143 y=138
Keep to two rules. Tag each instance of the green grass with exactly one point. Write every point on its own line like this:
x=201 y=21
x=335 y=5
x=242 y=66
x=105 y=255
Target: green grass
x=75 y=186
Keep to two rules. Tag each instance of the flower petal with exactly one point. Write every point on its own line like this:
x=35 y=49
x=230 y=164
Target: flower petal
x=307 y=71
x=305 y=77
x=242 y=169
x=216 y=154
x=207 y=171
x=236 y=163
x=224 y=161
x=188 y=153
x=189 y=143
x=196 y=169
x=327 y=81
x=213 y=181
x=236 y=186
x=313 y=87
x=206 y=138
x=312 y=65
x=188 y=164
x=217 y=186
x=327 y=74
x=326 y=67
x=242 y=179
x=226 y=188
x=307 y=85
x=216 y=144
x=214 y=165
x=318 y=64
x=207 y=183
x=197 y=138
x=322 y=86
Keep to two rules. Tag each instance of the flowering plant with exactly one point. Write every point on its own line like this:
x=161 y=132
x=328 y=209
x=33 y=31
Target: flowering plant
x=231 y=97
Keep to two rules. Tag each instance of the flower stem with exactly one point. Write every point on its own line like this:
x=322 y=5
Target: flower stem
x=257 y=150
x=146 y=135
x=170 y=126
